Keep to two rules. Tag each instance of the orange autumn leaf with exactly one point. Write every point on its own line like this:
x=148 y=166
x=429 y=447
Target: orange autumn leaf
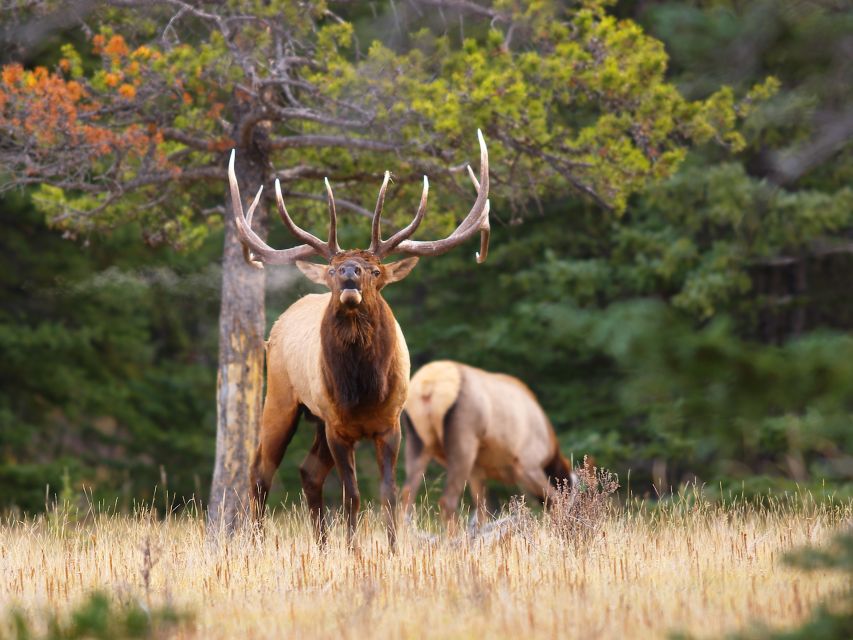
x=75 y=90
x=127 y=91
x=223 y=144
x=98 y=43
x=116 y=47
x=12 y=74
x=142 y=52
x=45 y=106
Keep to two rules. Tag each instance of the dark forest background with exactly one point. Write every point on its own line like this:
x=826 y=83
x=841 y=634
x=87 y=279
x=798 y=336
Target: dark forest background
x=704 y=336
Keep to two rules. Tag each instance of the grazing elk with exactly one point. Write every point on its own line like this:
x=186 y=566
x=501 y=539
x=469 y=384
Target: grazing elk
x=480 y=425
x=340 y=357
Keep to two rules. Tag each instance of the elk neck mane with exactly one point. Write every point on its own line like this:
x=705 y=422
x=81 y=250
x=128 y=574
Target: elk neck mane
x=358 y=351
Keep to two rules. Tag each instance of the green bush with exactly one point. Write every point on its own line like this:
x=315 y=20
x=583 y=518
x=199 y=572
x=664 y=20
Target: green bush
x=97 y=618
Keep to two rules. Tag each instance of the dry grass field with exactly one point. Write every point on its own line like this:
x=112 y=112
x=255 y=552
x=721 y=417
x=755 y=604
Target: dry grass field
x=640 y=572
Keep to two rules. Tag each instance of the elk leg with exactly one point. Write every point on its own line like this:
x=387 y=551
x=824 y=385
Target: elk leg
x=313 y=472
x=477 y=489
x=387 y=448
x=461 y=450
x=417 y=460
x=343 y=453
x=415 y=470
x=278 y=424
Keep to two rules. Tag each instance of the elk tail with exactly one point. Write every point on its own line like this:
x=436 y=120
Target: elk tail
x=412 y=438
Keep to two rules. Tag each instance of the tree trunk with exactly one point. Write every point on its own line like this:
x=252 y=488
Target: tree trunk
x=239 y=385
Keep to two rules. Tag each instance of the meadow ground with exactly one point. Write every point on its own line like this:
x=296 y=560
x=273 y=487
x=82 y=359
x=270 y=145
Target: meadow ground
x=643 y=573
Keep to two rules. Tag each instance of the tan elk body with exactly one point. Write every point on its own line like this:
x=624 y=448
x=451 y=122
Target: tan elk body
x=295 y=363
x=480 y=425
x=340 y=357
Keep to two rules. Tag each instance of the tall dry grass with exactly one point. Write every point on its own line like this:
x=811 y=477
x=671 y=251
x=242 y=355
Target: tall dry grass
x=639 y=572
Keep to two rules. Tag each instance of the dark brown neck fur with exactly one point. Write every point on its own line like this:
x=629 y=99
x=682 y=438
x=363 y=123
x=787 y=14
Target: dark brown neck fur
x=558 y=469
x=358 y=350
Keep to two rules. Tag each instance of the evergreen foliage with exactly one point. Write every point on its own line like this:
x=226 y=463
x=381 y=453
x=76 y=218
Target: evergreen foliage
x=108 y=359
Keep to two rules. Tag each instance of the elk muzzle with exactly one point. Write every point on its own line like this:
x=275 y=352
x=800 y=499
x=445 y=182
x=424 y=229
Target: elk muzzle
x=349 y=276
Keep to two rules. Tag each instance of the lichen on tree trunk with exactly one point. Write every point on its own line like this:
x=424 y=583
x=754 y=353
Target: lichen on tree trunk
x=239 y=387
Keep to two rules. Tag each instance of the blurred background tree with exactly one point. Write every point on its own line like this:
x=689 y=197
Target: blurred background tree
x=680 y=332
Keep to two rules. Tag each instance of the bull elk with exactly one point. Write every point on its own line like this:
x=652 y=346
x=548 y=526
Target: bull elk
x=480 y=425
x=340 y=357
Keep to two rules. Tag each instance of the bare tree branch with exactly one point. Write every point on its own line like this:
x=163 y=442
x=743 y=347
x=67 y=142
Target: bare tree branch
x=287 y=113
x=30 y=32
x=835 y=132
x=292 y=142
x=817 y=249
x=561 y=165
x=467 y=6
x=114 y=186
x=345 y=204
x=200 y=144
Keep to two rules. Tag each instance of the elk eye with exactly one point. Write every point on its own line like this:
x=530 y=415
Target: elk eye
x=332 y=271
x=376 y=273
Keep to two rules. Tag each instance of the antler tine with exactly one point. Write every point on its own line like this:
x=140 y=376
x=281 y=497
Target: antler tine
x=485 y=227
x=244 y=222
x=376 y=227
x=386 y=246
x=476 y=220
x=324 y=249
x=333 y=221
x=256 y=251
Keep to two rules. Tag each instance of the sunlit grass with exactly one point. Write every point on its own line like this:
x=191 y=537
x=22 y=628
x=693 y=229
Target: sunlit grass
x=643 y=572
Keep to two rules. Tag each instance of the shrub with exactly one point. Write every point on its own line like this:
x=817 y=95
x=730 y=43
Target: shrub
x=98 y=618
x=578 y=510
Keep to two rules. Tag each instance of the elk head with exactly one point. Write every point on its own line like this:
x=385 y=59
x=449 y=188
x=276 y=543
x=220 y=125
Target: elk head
x=355 y=275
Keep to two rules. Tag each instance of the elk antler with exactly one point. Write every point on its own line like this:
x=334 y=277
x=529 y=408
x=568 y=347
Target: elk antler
x=256 y=251
x=476 y=220
x=326 y=249
x=380 y=247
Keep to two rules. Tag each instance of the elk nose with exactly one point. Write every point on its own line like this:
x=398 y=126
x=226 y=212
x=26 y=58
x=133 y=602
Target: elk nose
x=350 y=273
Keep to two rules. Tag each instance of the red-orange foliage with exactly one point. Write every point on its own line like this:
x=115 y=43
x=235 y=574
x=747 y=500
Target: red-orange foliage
x=223 y=144
x=127 y=91
x=12 y=74
x=116 y=47
x=55 y=112
x=98 y=41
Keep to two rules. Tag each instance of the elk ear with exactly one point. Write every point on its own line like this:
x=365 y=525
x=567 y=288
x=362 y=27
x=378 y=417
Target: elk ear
x=396 y=271
x=313 y=271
